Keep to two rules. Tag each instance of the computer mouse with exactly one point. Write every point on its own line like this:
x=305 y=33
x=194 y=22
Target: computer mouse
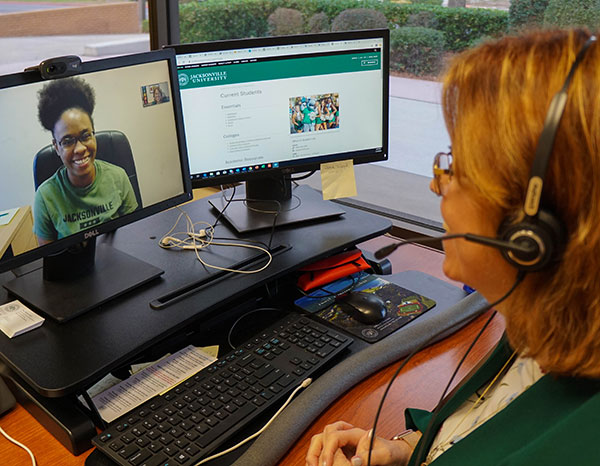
x=367 y=308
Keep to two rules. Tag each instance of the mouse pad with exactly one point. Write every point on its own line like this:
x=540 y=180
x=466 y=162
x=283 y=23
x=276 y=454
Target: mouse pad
x=402 y=305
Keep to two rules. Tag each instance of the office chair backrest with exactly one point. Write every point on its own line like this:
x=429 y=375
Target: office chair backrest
x=111 y=146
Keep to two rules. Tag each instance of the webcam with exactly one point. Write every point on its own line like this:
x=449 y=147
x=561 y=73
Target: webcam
x=60 y=67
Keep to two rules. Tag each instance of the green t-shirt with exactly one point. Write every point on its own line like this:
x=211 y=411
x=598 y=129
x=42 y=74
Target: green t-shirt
x=306 y=120
x=60 y=209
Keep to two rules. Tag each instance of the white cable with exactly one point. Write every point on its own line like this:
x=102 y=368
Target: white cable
x=10 y=439
x=197 y=240
x=305 y=383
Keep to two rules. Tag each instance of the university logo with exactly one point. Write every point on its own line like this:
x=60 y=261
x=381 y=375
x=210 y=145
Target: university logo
x=208 y=76
x=183 y=79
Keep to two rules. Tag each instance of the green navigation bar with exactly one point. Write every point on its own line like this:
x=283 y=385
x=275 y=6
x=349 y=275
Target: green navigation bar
x=278 y=69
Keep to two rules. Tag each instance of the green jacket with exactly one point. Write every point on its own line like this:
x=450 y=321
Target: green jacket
x=554 y=422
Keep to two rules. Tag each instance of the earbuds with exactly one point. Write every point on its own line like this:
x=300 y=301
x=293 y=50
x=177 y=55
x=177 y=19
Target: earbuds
x=172 y=242
x=198 y=234
x=167 y=241
x=197 y=240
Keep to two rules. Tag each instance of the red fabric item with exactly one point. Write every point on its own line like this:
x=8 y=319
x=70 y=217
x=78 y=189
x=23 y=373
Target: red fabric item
x=330 y=269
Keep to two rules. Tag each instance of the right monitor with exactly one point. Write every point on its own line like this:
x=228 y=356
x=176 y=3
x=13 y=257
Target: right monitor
x=258 y=110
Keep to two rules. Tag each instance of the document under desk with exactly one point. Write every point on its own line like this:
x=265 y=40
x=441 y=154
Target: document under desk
x=58 y=361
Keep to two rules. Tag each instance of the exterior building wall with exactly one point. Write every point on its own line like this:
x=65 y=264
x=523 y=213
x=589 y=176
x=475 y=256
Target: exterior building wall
x=111 y=18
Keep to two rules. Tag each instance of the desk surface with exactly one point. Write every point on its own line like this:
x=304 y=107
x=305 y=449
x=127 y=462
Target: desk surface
x=59 y=359
x=419 y=384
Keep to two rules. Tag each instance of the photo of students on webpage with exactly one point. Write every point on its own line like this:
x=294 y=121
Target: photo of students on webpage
x=314 y=113
x=85 y=191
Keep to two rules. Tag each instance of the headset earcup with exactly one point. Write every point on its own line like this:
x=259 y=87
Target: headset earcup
x=545 y=234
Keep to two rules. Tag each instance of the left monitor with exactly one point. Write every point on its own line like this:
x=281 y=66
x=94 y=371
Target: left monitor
x=85 y=148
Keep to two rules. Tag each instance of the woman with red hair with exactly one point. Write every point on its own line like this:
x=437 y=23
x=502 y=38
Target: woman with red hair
x=536 y=399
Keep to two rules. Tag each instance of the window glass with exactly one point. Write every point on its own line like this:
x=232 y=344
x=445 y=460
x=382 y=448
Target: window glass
x=424 y=35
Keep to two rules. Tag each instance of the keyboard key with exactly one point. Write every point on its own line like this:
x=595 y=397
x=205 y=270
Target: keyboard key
x=171 y=451
x=139 y=457
x=127 y=438
x=155 y=447
x=212 y=421
x=153 y=434
x=116 y=446
x=192 y=450
x=122 y=427
x=142 y=442
x=181 y=443
x=182 y=458
x=129 y=450
x=191 y=435
x=165 y=439
x=285 y=380
x=202 y=428
x=146 y=425
x=158 y=460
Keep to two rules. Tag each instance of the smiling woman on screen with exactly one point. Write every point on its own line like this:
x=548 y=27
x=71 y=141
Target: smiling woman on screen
x=84 y=191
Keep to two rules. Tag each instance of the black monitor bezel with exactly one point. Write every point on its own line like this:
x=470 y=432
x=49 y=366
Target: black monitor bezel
x=34 y=76
x=305 y=165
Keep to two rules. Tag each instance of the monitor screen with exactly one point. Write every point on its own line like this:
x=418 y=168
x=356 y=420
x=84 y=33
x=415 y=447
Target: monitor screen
x=264 y=108
x=86 y=153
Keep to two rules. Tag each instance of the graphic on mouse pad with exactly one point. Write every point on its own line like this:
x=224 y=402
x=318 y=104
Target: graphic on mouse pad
x=344 y=304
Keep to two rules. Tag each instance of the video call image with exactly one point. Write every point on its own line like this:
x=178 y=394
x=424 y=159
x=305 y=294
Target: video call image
x=154 y=94
x=314 y=113
x=80 y=151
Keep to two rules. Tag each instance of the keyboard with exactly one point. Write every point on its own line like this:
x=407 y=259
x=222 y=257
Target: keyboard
x=189 y=422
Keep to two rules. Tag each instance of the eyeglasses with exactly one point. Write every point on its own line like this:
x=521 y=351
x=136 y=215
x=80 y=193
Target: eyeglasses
x=69 y=141
x=442 y=171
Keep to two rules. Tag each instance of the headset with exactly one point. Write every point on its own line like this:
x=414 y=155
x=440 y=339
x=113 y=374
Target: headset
x=536 y=241
x=541 y=231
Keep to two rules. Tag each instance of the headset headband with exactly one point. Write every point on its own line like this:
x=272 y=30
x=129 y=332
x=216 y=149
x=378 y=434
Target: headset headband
x=546 y=141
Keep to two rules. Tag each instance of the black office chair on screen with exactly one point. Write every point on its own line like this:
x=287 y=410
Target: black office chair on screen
x=111 y=146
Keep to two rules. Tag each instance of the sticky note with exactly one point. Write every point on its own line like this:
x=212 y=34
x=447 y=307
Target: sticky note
x=337 y=179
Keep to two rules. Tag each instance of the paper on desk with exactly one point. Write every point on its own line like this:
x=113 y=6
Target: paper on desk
x=16 y=318
x=149 y=382
x=7 y=215
x=210 y=350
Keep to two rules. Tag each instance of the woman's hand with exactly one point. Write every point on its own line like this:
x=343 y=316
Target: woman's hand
x=342 y=444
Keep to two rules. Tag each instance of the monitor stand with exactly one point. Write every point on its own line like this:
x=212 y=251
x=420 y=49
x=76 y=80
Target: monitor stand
x=73 y=282
x=256 y=208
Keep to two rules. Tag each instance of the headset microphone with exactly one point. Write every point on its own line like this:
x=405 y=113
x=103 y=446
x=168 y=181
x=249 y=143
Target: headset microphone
x=525 y=248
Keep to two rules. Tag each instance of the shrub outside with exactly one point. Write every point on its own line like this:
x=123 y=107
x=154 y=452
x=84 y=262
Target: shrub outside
x=417 y=50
